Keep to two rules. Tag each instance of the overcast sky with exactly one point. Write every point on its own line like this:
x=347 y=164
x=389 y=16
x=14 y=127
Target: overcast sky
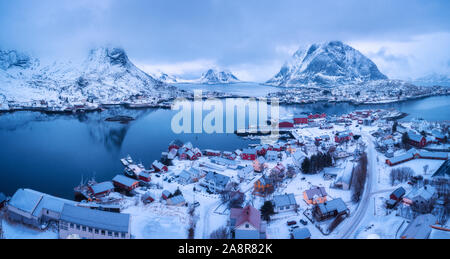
x=252 y=38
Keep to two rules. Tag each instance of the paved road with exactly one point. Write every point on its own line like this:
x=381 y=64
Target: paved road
x=361 y=210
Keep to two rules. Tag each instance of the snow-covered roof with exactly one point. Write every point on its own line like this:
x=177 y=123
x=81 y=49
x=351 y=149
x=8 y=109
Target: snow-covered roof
x=284 y=200
x=426 y=192
x=103 y=220
x=218 y=179
x=124 y=180
x=102 y=187
x=420 y=227
x=333 y=205
x=177 y=199
x=443 y=171
x=33 y=202
x=316 y=192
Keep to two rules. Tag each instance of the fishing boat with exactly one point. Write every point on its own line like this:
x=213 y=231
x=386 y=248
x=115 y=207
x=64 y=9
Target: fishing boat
x=127 y=161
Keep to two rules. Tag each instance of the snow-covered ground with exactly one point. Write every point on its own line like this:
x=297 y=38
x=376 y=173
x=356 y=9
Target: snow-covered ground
x=19 y=231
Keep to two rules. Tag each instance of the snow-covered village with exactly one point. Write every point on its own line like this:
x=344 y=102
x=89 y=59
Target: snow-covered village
x=200 y=121
x=360 y=175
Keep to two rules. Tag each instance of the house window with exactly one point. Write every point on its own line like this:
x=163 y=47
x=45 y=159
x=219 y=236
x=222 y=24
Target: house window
x=84 y=229
x=103 y=232
x=72 y=225
x=90 y=230
x=110 y=233
x=116 y=234
x=78 y=227
x=247 y=225
x=96 y=231
x=123 y=235
x=281 y=208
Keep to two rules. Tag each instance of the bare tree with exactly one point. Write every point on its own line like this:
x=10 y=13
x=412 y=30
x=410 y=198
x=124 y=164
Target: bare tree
x=359 y=178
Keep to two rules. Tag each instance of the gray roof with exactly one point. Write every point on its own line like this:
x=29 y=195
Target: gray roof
x=218 y=179
x=184 y=175
x=103 y=220
x=102 y=187
x=426 y=192
x=301 y=233
x=177 y=199
x=33 y=202
x=399 y=192
x=444 y=170
x=25 y=200
x=246 y=170
x=420 y=227
x=298 y=156
x=333 y=205
x=441 y=155
x=284 y=200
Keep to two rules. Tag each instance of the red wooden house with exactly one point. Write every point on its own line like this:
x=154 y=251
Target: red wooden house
x=301 y=120
x=417 y=140
x=177 y=144
x=209 y=152
x=248 y=154
x=125 y=183
x=261 y=151
x=159 y=167
x=101 y=189
x=286 y=124
x=343 y=137
x=144 y=176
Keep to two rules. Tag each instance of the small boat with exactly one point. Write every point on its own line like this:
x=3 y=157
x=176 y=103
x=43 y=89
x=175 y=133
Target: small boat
x=127 y=161
x=130 y=173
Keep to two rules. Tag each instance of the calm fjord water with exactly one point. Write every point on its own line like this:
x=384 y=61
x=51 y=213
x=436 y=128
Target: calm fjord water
x=50 y=153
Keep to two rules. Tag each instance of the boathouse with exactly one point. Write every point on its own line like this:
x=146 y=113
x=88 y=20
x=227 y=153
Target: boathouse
x=101 y=189
x=125 y=183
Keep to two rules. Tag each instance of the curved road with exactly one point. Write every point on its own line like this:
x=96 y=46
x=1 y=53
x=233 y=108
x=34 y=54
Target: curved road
x=363 y=205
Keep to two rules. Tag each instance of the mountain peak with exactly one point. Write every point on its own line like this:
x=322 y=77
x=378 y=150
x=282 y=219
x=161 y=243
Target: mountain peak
x=112 y=55
x=213 y=76
x=327 y=63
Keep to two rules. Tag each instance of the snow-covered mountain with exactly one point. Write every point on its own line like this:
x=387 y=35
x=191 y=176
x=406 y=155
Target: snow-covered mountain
x=213 y=76
x=107 y=76
x=166 y=78
x=433 y=80
x=326 y=64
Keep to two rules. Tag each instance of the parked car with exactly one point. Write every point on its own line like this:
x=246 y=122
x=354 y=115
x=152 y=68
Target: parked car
x=291 y=223
x=196 y=204
x=304 y=222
